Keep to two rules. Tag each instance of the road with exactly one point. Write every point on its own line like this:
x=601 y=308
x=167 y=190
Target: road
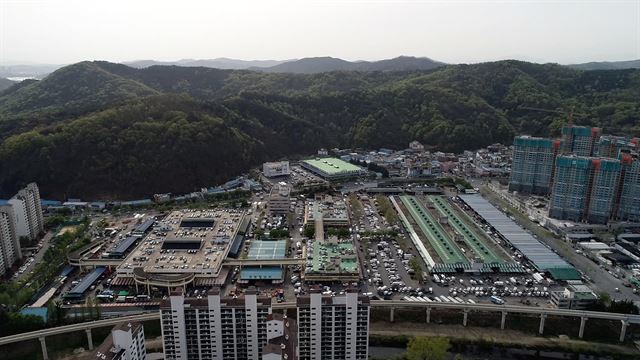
x=602 y=281
x=46 y=243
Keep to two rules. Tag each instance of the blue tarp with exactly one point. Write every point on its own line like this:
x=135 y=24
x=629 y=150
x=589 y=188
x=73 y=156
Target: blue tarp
x=42 y=312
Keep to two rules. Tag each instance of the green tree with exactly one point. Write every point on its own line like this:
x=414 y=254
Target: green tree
x=414 y=263
x=427 y=348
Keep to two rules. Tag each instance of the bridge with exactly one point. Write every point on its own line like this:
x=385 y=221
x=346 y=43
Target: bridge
x=262 y=262
x=392 y=305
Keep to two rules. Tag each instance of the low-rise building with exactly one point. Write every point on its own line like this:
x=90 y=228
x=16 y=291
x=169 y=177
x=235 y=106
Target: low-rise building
x=278 y=168
x=574 y=296
x=126 y=342
x=282 y=338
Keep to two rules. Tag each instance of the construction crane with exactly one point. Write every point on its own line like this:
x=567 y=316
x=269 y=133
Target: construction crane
x=570 y=114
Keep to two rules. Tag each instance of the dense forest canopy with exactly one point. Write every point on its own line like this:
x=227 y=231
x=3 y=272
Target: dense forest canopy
x=104 y=130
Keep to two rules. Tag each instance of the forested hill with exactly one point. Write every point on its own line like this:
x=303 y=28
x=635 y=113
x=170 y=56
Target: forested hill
x=104 y=130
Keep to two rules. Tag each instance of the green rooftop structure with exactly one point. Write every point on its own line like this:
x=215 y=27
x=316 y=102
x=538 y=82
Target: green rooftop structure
x=446 y=249
x=471 y=237
x=333 y=169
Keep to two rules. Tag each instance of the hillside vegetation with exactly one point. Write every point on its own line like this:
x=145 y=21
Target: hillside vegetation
x=104 y=130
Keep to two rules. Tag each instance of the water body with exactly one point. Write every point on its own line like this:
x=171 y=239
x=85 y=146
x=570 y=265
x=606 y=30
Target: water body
x=476 y=353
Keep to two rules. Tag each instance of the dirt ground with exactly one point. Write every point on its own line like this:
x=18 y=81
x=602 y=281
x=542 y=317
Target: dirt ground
x=506 y=337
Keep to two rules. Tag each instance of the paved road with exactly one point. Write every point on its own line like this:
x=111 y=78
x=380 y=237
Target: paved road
x=46 y=243
x=602 y=280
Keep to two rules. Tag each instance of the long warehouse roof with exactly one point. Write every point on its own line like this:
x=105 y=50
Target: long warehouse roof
x=540 y=255
x=124 y=245
x=87 y=281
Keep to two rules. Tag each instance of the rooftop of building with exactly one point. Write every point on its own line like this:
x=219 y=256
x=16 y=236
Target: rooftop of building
x=225 y=301
x=284 y=345
x=332 y=166
x=186 y=241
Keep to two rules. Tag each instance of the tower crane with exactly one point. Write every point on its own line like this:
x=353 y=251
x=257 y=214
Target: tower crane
x=570 y=113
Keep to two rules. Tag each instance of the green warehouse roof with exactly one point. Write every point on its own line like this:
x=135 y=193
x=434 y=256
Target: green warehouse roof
x=332 y=166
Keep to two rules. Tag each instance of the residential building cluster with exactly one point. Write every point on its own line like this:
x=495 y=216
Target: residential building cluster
x=590 y=177
x=20 y=217
x=245 y=327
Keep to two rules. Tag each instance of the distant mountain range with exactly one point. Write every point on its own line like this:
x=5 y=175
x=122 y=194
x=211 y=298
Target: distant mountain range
x=218 y=63
x=608 y=65
x=311 y=65
x=325 y=64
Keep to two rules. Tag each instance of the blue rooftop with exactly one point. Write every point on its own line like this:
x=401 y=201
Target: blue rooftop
x=86 y=282
x=41 y=312
x=261 y=273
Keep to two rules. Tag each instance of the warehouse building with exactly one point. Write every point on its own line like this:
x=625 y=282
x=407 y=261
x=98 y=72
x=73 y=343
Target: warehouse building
x=532 y=169
x=333 y=169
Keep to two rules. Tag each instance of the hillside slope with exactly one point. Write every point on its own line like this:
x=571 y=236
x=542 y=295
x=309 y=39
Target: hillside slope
x=103 y=130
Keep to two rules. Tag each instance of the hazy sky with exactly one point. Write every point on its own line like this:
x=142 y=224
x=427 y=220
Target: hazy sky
x=65 y=31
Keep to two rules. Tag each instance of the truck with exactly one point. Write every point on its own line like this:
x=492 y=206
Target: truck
x=496 y=300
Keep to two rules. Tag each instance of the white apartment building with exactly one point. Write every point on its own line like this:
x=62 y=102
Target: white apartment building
x=279 y=168
x=28 y=212
x=9 y=243
x=126 y=342
x=333 y=327
x=214 y=327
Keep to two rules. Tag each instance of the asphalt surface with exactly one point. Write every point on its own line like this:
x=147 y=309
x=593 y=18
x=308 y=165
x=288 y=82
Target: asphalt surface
x=601 y=280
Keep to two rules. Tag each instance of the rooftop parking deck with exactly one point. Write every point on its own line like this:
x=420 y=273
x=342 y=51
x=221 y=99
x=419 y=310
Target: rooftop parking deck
x=186 y=241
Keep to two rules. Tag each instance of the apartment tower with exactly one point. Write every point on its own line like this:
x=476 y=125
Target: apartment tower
x=532 y=169
x=333 y=327
x=214 y=327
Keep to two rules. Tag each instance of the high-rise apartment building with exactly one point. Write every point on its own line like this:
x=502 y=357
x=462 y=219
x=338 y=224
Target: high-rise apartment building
x=126 y=342
x=628 y=192
x=611 y=146
x=333 y=327
x=28 y=212
x=9 y=244
x=580 y=140
x=214 y=327
x=585 y=188
x=532 y=168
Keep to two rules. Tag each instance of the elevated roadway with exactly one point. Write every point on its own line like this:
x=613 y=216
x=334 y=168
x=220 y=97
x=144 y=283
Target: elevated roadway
x=392 y=305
